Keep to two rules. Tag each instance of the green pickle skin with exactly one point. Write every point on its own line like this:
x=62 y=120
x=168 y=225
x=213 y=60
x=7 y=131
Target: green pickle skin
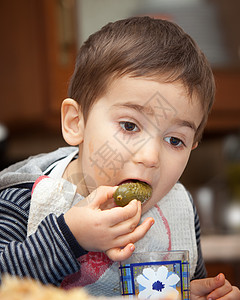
x=129 y=191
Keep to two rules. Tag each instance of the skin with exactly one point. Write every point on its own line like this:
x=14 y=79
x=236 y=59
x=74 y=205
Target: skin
x=140 y=129
x=114 y=120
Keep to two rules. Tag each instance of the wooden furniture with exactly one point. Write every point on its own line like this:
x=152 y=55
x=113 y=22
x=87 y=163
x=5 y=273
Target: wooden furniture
x=37 y=53
x=225 y=116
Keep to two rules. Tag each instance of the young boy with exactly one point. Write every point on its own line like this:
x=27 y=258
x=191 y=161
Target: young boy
x=139 y=100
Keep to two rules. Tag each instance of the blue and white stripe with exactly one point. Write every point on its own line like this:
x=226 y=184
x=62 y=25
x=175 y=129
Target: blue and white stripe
x=45 y=255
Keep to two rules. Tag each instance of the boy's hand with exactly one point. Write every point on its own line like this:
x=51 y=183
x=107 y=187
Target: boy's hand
x=115 y=229
x=214 y=288
x=120 y=254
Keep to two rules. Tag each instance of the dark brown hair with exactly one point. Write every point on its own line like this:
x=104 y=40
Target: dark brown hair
x=141 y=47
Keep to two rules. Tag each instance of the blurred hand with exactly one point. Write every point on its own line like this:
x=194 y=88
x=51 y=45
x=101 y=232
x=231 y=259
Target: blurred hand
x=214 y=288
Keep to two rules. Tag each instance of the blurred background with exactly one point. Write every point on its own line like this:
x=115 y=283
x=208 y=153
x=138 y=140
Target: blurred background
x=39 y=42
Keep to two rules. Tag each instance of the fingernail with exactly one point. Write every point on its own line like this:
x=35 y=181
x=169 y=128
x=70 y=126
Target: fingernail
x=152 y=222
x=218 y=276
x=132 y=248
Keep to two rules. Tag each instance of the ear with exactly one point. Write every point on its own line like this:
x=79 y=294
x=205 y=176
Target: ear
x=72 y=122
x=195 y=145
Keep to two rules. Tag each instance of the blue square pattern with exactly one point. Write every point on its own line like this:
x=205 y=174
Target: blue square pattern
x=129 y=272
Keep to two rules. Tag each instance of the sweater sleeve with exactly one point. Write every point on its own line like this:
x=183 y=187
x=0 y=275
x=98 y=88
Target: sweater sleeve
x=47 y=255
x=200 y=271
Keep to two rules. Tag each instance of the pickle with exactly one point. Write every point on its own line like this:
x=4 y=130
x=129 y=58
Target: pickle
x=132 y=190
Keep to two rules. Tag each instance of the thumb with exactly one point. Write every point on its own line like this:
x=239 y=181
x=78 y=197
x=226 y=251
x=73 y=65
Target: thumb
x=204 y=287
x=100 y=195
x=212 y=283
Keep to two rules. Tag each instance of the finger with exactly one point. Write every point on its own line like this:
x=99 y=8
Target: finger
x=234 y=294
x=108 y=205
x=129 y=225
x=101 y=195
x=222 y=289
x=137 y=234
x=82 y=202
x=118 y=214
x=210 y=284
x=120 y=254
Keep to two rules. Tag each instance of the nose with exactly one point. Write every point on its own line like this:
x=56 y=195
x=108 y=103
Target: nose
x=148 y=154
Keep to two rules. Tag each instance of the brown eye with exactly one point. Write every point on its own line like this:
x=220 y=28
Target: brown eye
x=173 y=141
x=129 y=126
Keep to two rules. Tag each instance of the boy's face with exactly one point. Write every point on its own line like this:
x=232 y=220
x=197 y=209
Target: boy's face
x=140 y=130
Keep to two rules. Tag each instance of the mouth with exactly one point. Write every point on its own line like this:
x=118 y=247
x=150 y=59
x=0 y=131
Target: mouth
x=134 y=181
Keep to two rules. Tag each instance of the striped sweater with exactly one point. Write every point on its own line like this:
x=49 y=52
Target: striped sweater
x=50 y=254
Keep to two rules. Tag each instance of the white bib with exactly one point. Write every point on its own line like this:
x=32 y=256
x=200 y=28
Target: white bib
x=174 y=229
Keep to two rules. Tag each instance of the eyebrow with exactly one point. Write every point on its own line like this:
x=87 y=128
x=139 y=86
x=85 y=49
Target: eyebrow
x=140 y=108
x=149 y=111
x=184 y=123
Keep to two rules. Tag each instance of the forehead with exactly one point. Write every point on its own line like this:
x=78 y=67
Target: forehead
x=146 y=87
x=153 y=97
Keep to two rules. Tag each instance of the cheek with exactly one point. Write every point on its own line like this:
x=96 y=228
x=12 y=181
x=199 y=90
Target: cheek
x=177 y=166
x=91 y=148
x=176 y=169
x=171 y=171
x=102 y=160
x=89 y=168
x=91 y=159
